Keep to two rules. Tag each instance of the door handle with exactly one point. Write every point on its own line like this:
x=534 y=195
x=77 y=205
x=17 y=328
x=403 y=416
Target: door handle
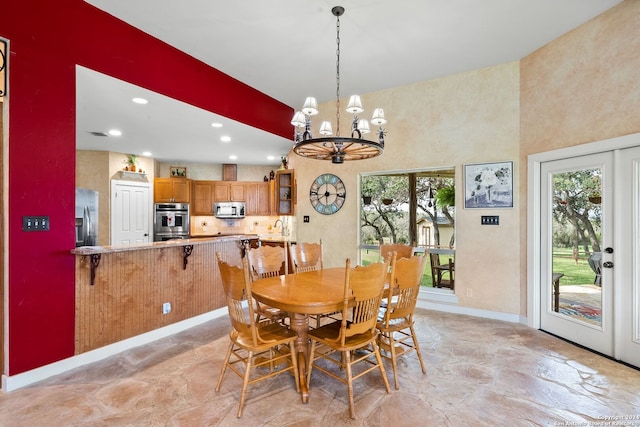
x=146 y=234
x=607 y=264
x=608 y=250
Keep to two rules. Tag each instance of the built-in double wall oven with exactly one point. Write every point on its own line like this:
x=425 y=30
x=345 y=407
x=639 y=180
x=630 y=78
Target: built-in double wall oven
x=170 y=221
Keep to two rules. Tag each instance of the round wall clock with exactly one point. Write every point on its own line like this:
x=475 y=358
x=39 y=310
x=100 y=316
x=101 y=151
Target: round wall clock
x=327 y=194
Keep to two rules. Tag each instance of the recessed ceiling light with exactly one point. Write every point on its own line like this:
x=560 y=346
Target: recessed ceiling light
x=139 y=100
x=216 y=125
x=271 y=157
x=225 y=139
x=146 y=154
x=115 y=132
x=233 y=157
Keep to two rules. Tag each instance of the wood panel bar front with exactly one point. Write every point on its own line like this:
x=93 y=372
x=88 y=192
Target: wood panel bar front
x=131 y=285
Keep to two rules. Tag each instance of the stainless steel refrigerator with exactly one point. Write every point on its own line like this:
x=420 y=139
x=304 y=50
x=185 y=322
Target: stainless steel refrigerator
x=86 y=217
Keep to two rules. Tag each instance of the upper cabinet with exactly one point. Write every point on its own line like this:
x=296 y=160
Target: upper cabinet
x=202 y=198
x=228 y=191
x=170 y=190
x=258 y=200
x=285 y=192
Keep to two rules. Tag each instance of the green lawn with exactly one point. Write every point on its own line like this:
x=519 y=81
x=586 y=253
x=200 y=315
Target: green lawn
x=574 y=273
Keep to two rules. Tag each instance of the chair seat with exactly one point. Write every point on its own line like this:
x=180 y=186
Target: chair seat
x=271 y=334
x=328 y=334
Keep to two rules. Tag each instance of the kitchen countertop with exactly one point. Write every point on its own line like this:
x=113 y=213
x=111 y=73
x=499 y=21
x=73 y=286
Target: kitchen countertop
x=196 y=240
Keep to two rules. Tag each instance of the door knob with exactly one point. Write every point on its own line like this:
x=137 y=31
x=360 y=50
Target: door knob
x=608 y=250
x=607 y=264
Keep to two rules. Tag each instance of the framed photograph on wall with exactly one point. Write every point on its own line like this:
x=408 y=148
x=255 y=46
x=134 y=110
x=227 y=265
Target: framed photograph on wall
x=488 y=185
x=177 y=172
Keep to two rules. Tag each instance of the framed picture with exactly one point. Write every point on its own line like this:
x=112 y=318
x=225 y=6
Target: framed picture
x=178 y=172
x=488 y=185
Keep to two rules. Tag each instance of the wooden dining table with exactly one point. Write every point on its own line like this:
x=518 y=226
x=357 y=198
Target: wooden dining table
x=302 y=294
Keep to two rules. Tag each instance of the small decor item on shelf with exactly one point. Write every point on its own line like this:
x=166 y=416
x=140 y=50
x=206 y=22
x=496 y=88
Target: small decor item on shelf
x=284 y=163
x=272 y=175
x=266 y=179
x=130 y=161
x=178 y=172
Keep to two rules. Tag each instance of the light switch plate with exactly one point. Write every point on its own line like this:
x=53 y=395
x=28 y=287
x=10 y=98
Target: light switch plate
x=490 y=220
x=35 y=223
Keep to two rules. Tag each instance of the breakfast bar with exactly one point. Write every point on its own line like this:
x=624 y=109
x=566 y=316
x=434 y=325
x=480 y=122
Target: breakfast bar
x=127 y=290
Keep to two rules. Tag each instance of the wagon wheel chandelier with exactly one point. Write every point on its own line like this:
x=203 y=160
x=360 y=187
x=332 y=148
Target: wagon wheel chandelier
x=337 y=148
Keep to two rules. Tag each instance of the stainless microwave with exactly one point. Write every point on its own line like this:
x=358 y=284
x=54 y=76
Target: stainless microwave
x=229 y=209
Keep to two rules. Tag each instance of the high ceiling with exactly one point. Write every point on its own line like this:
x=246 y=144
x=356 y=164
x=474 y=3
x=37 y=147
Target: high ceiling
x=287 y=49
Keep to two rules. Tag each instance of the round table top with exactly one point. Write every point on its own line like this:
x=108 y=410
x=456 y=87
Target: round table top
x=313 y=292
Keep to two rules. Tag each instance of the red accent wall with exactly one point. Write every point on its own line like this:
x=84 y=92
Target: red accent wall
x=47 y=39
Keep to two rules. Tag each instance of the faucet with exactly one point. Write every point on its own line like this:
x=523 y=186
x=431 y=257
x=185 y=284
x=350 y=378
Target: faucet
x=281 y=226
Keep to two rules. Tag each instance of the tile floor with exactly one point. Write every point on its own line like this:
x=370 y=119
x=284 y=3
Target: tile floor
x=480 y=373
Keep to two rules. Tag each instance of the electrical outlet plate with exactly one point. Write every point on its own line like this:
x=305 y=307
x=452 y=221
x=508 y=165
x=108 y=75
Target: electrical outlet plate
x=166 y=308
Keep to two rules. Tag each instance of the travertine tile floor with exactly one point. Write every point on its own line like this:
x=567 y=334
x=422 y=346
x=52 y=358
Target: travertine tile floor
x=480 y=373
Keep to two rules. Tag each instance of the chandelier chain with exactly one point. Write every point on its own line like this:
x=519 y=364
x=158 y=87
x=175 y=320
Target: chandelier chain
x=338 y=76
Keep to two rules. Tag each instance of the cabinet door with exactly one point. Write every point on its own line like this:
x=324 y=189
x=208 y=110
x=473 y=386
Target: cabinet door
x=202 y=200
x=221 y=192
x=251 y=194
x=236 y=192
x=181 y=190
x=163 y=190
x=263 y=199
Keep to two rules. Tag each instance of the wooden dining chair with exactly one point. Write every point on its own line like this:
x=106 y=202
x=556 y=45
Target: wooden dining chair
x=402 y=250
x=442 y=274
x=305 y=256
x=308 y=257
x=397 y=334
x=336 y=343
x=267 y=261
x=254 y=346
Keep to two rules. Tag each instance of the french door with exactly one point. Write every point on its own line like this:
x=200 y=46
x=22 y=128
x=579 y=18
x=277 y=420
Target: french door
x=590 y=247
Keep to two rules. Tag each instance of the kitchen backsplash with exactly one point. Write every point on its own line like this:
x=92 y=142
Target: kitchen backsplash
x=261 y=225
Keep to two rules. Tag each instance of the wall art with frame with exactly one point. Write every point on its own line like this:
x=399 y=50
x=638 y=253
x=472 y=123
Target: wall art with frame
x=178 y=172
x=488 y=185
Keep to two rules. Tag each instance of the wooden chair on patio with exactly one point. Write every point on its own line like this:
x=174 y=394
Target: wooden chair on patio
x=442 y=274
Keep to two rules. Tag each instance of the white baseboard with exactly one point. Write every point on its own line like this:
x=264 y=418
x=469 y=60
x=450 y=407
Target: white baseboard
x=14 y=382
x=446 y=300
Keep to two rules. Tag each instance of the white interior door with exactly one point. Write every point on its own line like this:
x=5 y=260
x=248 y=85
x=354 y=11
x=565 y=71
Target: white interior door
x=576 y=237
x=627 y=257
x=130 y=212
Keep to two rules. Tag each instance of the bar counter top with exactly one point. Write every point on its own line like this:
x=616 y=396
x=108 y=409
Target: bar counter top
x=197 y=240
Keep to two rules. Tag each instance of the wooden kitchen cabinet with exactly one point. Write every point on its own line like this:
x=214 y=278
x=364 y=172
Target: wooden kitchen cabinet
x=228 y=192
x=285 y=192
x=202 y=198
x=258 y=198
x=169 y=190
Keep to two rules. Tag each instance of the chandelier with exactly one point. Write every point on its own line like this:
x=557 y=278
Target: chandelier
x=337 y=148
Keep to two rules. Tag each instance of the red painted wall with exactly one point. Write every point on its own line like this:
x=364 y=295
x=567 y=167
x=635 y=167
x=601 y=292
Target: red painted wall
x=47 y=39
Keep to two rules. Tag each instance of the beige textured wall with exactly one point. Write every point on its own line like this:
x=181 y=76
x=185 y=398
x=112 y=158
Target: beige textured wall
x=582 y=87
x=467 y=118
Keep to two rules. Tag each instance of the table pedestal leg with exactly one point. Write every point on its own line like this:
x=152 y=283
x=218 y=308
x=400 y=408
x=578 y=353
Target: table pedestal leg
x=300 y=324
